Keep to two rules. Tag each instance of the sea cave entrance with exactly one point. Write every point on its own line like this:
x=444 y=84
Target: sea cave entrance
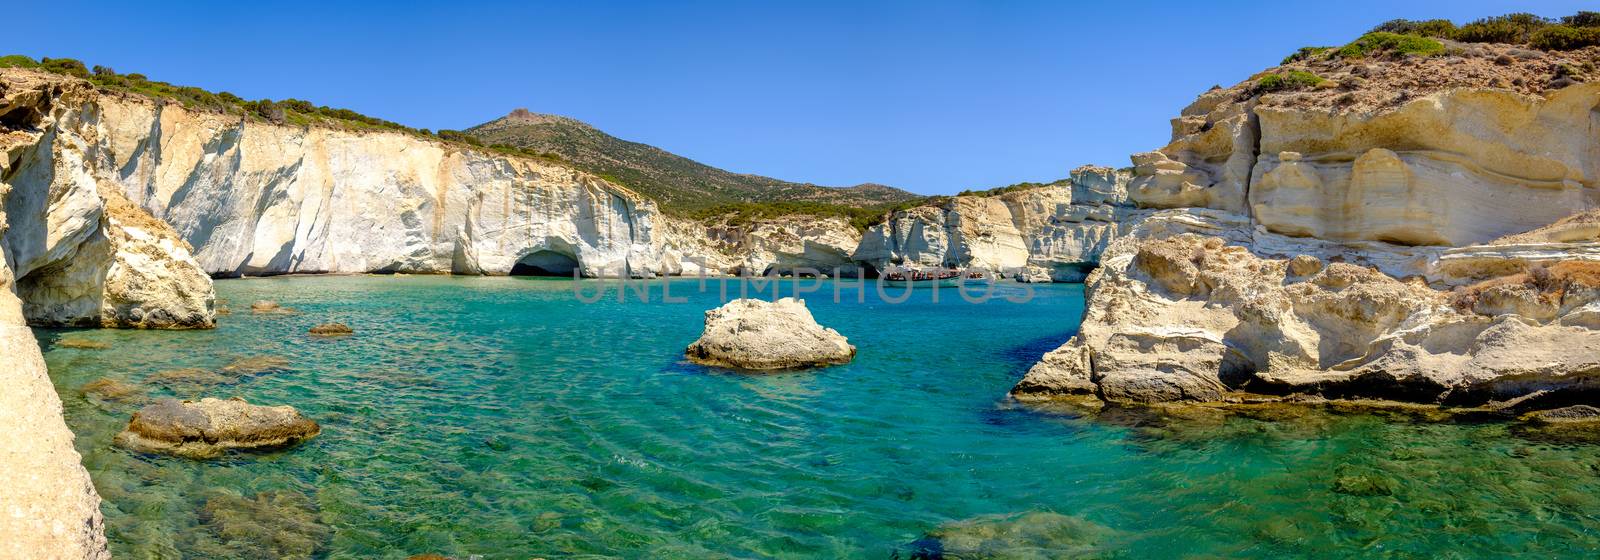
x=866 y=270
x=545 y=263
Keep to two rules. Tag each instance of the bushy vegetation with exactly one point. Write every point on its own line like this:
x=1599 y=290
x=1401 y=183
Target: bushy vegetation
x=1567 y=33
x=1383 y=42
x=1565 y=38
x=287 y=111
x=1293 y=79
x=1515 y=28
x=1436 y=28
x=1305 y=53
x=1023 y=186
x=861 y=218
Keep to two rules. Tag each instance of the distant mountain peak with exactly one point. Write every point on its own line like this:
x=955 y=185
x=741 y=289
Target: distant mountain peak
x=677 y=182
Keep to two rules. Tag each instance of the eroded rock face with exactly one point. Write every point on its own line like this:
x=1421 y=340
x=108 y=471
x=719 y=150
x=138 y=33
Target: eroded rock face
x=753 y=334
x=1455 y=168
x=81 y=254
x=1061 y=228
x=1183 y=313
x=209 y=427
x=257 y=198
x=791 y=244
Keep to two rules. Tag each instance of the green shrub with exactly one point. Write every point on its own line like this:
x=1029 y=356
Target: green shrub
x=459 y=136
x=1582 y=19
x=1515 y=28
x=68 y=66
x=1293 y=79
x=1305 y=53
x=1440 y=28
x=1384 y=42
x=102 y=71
x=1563 y=38
x=17 y=61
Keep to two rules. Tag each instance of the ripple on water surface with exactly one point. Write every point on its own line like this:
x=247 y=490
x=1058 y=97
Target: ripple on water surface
x=501 y=417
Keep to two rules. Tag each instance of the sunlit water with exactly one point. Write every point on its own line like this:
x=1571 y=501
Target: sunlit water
x=502 y=417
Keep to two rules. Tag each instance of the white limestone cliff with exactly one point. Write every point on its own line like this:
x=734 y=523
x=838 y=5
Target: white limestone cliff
x=1060 y=228
x=786 y=244
x=81 y=254
x=1355 y=244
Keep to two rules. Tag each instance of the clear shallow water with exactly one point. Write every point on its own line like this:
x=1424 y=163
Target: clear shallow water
x=501 y=417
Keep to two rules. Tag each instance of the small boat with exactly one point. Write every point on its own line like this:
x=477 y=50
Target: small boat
x=922 y=278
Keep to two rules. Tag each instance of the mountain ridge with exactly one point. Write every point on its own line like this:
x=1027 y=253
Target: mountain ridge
x=676 y=182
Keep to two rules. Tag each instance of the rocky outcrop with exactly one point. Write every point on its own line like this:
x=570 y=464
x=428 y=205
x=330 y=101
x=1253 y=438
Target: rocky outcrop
x=786 y=244
x=1191 y=307
x=1061 y=227
x=753 y=334
x=1358 y=236
x=210 y=427
x=81 y=254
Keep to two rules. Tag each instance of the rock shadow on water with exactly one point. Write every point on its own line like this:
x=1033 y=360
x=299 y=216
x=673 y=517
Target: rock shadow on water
x=1025 y=355
x=1034 y=535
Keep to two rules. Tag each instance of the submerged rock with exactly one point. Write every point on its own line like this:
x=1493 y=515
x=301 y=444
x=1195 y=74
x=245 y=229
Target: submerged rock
x=253 y=365
x=1033 y=535
x=271 y=525
x=207 y=428
x=109 y=389
x=332 y=329
x=188 y=378
x=759 y=335
x=81 y=343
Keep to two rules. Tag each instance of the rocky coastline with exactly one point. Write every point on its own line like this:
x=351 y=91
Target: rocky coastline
x=1410 y=229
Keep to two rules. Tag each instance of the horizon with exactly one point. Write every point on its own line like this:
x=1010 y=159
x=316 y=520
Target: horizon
x=930 y=98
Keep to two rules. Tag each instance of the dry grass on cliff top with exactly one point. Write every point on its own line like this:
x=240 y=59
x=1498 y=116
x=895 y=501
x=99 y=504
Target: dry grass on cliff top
x=1550 y=282
x=1387 y=79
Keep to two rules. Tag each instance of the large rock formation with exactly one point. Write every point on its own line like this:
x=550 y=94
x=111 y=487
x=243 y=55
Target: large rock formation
x=81 y=254
x=254 y=198
x=1061 y=227
x=1356 y=240
x=759 y=335
x=50 y=508
x=1177 y=315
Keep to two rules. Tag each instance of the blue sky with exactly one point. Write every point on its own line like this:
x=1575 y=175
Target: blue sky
x=929 y=96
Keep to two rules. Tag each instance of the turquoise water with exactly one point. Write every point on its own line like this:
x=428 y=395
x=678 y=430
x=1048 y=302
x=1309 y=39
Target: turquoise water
x=503 y=418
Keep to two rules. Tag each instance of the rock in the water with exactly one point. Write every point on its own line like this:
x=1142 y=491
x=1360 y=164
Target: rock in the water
x=1034 y=535
x=254 y=365
x=281 y=524
x=211 y=427
x=1034 y=275
x=1569 y=414
x=265 y=306
x=760 y=335
x=186 y=378
x=332 y=329
x=114 y=390
x=81 y=343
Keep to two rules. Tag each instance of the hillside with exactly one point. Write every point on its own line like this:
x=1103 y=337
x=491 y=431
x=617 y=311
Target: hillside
x=678 y=183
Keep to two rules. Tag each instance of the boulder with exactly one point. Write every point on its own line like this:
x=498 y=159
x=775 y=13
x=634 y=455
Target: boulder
x=332 y=329
x=265 y=306
x=210 y=427
x=758 y=335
